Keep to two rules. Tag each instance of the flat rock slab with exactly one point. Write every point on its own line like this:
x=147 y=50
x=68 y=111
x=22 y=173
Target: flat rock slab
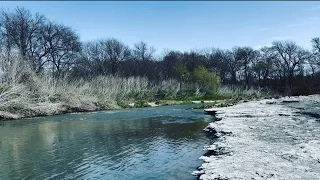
x=210 y=111
x=265 y=141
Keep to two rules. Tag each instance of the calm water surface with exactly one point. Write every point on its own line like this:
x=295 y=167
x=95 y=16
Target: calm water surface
x=149 y=143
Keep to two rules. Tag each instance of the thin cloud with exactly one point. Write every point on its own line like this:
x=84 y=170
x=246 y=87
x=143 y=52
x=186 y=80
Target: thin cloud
x=261 y=46
x=314 y=18
x=295 y=25
x=306 y=22
x=264 y=29
x=316 y=7
x=281 y=38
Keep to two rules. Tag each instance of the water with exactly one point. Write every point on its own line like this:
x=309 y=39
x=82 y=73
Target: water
x=149 y=143
x=307 y=107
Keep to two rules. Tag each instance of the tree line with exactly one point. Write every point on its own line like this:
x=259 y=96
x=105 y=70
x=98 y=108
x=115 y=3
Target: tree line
x=55 y=49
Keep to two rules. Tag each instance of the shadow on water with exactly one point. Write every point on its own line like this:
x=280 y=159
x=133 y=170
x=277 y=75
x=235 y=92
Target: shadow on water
x=149 y=143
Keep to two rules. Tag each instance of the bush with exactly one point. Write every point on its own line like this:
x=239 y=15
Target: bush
x=123 y=104
x=208 y=81
x=186 y=95
x=141 y=103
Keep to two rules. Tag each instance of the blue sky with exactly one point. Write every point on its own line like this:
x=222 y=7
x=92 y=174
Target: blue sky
x=185 y=25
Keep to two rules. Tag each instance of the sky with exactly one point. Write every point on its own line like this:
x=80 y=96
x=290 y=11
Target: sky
x=185 y=25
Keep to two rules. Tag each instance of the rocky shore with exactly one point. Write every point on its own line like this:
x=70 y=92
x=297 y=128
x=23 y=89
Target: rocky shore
x=265 y=139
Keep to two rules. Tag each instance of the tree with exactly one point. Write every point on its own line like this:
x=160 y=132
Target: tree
x=116 y=52
x=184 y=74
x=232 y=62
x=217 y=63
x=142 y=52
x=246 y=56
x=263 y=67
x=61 y=47
x=171 y=59
x=21 y=30
x=104 y=56
x=291 y=57
x=208 y=81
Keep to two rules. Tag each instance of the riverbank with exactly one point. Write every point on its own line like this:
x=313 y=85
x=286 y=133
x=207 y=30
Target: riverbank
x=265 y=139
x=27 y=94
x=18 y=102
x=58 y=108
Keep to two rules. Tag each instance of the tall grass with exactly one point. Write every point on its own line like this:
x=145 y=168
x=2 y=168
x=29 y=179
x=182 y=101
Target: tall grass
x=238 y=93
x=26 y=94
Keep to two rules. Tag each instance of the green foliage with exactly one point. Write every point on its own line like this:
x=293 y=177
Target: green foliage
x=138 y=95
x=123 y=104
x=183 y=72
x=169 y=102
x=208 y=81
x=4 y=88
x=55 y=98
x=187 y=102
x=141 y=103
x=210 y=97
x=185 y=95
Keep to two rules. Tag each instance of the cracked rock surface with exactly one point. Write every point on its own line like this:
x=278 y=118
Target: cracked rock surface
x=267 y=139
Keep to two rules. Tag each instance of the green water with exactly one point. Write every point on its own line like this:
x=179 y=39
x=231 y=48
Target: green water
x=149 y=143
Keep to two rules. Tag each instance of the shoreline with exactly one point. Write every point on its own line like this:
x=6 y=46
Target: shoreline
x=262 y=139
x=8 y=116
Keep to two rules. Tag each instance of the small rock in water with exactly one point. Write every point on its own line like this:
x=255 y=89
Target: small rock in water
x=290 y=101
x=197 y=173
x=281 y=114
x=270 y=102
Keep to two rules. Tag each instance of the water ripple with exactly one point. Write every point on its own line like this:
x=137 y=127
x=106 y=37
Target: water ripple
x=158 y=143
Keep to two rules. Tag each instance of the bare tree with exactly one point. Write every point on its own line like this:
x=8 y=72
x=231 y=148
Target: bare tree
x=61 y=46
x=264 y=65
x=95 y=56
x=232 y=61
x=216 y=62
x=105 y=55
x=291 y=57
x=116 y=52
x=246 y=56
x=20 y=30
x=142 y=52
x=170 y=60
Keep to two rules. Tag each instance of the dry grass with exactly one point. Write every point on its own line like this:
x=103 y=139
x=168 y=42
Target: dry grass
x=25 y=94
x=234 y=92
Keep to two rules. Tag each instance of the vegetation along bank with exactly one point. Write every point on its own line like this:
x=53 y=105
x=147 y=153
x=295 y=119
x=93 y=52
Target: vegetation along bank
x=46 y=70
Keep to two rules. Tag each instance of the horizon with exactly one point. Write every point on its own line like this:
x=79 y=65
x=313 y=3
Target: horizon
x=185 y=26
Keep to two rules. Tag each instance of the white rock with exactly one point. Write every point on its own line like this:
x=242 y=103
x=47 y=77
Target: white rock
x=264 y=144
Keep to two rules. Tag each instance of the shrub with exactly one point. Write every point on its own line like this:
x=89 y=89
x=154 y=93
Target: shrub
x=208 y=81
x=141 y=103
x=123 y=104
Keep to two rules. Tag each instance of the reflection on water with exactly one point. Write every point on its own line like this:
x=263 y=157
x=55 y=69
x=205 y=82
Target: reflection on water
x=150 y=143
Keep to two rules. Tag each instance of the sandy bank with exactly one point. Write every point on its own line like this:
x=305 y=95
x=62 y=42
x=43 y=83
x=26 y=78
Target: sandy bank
x=264 y=139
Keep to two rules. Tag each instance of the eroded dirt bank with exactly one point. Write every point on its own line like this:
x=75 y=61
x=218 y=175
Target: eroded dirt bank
x=266 y=139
